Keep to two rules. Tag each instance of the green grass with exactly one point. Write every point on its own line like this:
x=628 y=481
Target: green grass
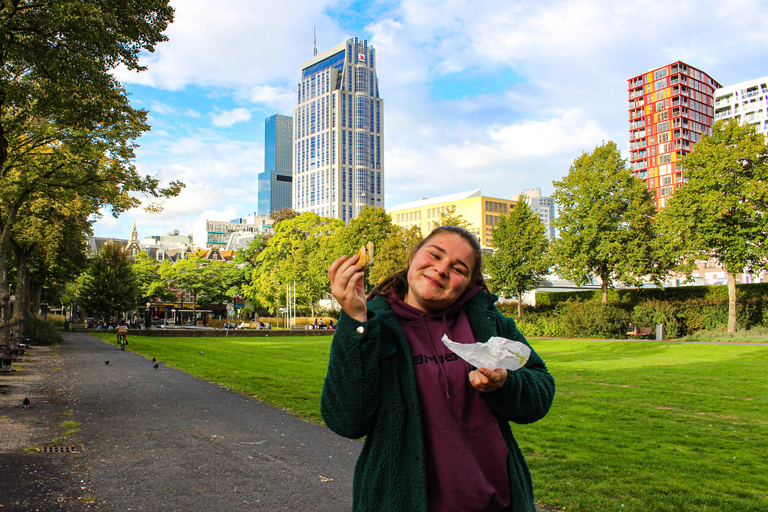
x=646 y=427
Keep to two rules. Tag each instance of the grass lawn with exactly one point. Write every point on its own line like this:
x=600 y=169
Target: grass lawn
x=645 y=427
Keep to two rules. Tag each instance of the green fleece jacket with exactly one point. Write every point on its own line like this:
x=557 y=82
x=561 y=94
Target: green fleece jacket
x=370 y=391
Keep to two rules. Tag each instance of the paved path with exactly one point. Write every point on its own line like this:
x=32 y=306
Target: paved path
x=163 y=440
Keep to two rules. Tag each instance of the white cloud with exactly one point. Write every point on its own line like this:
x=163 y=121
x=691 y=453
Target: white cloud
x=227 y=118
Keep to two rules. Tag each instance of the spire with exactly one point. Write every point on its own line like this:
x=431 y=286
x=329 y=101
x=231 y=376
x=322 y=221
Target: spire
x=314 y=32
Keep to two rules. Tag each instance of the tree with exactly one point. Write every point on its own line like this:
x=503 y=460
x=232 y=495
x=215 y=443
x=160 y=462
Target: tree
x=283 y=214
x=604 y=222
x=293 y=254
x=109 y=287
x=65 y=123
x=151 y=285
x=520 y=260
x=722 y=210
x=393 y=254
x=194 y=274
x=371 y=225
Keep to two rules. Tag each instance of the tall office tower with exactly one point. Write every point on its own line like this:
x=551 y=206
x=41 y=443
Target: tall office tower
x=670 y=109
x=747 y=102
x=338 y=162
x=275 y=180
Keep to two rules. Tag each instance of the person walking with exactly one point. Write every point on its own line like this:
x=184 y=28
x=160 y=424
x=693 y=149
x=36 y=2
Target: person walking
x=437 y=434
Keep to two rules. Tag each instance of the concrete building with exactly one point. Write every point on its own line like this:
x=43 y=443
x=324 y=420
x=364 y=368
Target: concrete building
x=219 y=233
x=747 y=102
x=543 y=206
x=670 y=109
x=480 y=211
x=275 y=181
x=338 y=153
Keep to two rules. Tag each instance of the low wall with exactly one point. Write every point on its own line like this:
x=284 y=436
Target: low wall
x=213 y=333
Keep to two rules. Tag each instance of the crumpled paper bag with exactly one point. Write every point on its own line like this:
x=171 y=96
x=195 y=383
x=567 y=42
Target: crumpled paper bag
x=497 y=352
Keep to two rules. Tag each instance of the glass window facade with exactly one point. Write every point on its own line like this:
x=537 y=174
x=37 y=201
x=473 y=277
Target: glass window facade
x=275 y=183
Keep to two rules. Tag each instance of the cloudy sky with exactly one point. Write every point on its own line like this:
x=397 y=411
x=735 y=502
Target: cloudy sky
x=500 y=96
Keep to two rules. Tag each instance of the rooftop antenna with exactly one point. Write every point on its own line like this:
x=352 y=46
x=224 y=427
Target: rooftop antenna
x=314 y=32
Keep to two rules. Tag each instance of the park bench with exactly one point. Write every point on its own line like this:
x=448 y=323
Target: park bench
x=641 y=331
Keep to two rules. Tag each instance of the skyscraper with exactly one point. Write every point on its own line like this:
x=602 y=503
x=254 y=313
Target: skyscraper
x=670 y=109
x=338 y=164
x=275 y=180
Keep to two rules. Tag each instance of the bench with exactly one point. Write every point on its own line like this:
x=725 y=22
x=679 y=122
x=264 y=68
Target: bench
x=641 y=331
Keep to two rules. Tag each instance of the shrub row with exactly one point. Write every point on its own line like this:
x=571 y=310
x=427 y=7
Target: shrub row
x=590 y=318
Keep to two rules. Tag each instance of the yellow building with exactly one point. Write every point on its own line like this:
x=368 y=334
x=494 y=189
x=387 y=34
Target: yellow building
x=480 y=211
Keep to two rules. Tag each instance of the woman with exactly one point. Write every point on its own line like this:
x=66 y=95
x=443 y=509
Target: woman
x=437 y=430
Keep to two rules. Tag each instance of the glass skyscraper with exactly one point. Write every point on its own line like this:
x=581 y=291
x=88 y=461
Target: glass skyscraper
x=338 y=131
x=275 y=181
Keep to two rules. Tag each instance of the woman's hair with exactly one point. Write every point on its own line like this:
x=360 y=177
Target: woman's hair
x=398 y=282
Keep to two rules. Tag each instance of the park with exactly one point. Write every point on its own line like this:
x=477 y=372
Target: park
x=636 y=425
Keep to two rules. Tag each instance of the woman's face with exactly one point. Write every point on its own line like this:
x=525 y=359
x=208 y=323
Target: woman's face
x=439 y=272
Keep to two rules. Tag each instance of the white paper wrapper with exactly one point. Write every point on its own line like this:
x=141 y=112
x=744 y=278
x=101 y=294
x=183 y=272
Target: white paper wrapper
x=497 y=352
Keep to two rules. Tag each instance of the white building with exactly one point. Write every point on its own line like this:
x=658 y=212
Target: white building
x=219 y=233
x=338 y=153
x=544 y=206
x=747 y=102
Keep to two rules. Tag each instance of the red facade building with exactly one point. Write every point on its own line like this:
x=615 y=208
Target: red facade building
x=670 y=109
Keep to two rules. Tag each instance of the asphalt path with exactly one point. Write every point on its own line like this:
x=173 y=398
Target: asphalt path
x=159 y=439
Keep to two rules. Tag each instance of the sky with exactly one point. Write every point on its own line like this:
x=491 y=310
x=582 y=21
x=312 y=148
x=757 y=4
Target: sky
x=498 y=96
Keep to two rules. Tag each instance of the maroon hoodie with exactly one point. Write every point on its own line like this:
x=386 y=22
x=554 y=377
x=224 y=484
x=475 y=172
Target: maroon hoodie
x=465 y=452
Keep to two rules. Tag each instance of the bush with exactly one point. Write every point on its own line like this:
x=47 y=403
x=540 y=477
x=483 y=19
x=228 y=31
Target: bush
x=651 y=312
x=43 y=332
x=593 y=320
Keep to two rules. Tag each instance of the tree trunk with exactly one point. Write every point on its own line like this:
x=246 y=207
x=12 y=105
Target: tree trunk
x=20 y=319
x=519 y=306
x=731 y=303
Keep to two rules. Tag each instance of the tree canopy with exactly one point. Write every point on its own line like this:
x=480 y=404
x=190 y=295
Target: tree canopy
x=109 y=287
x=604 y=222
x=520 y=260
x=721 y=211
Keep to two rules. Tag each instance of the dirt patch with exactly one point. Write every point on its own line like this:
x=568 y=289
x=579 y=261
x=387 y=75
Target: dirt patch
x=22 y=426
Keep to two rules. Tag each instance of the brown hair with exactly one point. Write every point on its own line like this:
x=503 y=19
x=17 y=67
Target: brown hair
x=398 y=282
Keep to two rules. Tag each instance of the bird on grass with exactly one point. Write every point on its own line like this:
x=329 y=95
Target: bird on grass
x=154 y=359
x=155 y=367
x=25 y=402
x=202 y=351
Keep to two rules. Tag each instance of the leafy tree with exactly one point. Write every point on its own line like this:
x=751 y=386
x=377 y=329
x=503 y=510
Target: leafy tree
x=194 y=274
x=392 y=256
x=65 y=123
x=109 y=287
x=283 y=214
x=371 y=225
x=722 y=210
x=604 y=222
x=151 y=284
x=293 y=254
x=520 y=260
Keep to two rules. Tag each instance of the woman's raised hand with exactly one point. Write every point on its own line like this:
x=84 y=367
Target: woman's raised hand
x=346 y=279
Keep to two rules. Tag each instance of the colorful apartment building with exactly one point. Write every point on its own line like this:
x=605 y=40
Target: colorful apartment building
x=670 y=109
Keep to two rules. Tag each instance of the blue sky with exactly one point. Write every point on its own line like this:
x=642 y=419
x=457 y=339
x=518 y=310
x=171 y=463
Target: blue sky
x=500 y=96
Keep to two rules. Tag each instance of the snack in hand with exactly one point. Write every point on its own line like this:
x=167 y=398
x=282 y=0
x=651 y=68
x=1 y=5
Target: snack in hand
x=366 y=255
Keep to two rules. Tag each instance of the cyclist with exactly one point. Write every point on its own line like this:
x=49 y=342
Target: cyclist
x=122 y=335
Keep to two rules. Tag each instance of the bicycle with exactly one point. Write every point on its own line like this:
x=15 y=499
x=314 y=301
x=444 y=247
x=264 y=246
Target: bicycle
x=122 y=339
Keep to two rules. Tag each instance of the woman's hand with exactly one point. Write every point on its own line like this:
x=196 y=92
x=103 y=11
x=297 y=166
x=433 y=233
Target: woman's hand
x=346 y=279
x=486 y=380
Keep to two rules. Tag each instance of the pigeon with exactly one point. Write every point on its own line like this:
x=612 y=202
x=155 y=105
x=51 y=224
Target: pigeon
x=154 y=359
x=202 y=351
x=25 y=402
x=155 y=367
x=106 y=362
